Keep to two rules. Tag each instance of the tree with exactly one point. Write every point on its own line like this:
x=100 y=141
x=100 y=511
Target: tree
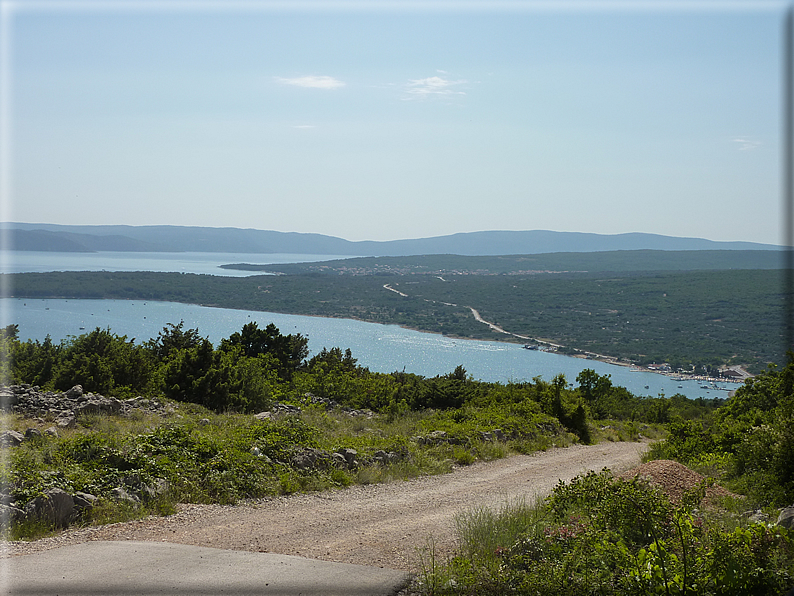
x=102 y=361
x=33 y=361
x=595 y=389
x=187 y=375
x=458 y=374
x=334 y=358
x=290 y=351
x=172 y=338
x=9 y=332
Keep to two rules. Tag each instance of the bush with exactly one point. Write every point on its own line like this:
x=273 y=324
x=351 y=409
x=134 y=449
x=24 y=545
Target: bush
x=752 y=436
x=602 y=535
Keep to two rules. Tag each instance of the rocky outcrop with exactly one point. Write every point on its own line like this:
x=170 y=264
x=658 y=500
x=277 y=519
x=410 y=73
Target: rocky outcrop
x=55 y=506
x=9 y=515
x=11 y=438
x=756 y=516
x=345 y=458
x=332 y=405
x=437 y=437
x=312 y=459
x=496 y=435
x=279 y=410
x=63 y=408
x=58 y=508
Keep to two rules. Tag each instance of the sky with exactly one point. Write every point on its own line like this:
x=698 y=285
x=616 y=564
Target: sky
x=382 y=121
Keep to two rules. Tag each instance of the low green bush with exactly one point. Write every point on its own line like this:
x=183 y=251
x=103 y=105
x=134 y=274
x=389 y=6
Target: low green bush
x=602 y=535
x=749 y=441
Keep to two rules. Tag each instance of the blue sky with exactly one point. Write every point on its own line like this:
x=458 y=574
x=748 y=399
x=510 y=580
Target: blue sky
x=377 y=122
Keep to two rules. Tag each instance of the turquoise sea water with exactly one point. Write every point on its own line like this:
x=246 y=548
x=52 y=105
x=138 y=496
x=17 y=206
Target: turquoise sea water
x=381 y=348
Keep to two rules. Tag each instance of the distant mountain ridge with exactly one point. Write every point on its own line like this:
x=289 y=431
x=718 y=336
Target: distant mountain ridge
x=67 y=238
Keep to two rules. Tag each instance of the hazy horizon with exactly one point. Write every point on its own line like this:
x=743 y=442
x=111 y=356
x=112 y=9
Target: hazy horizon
x=4 y=225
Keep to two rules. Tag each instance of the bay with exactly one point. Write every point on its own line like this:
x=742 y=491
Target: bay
x=207 y=263
x=381 y=348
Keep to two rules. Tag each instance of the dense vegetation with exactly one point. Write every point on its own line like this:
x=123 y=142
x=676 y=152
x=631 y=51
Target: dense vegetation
x=604 y=535
x=612 y=261
x=686 y=318
x=253 y=368
x=748 y=443
x=595 y=535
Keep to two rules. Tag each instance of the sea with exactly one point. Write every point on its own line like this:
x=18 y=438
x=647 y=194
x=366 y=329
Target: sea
x=381 y=348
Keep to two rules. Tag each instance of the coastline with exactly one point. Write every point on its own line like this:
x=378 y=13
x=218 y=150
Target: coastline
x=512 y=338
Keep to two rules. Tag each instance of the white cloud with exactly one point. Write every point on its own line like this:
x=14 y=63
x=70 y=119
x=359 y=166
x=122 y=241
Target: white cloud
x=312 y=82
x=746 y=144
x=432 y=86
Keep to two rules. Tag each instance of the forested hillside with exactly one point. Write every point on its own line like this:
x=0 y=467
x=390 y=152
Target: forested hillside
x=686 y=318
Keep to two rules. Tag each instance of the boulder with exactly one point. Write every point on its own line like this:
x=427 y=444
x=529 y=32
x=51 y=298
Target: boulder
x=74 y=392
x=758 y=517
x=437 y=437
x=350 y=456
x=384 y=458
x=154 y=489
x=320 y=401
x=786 y=517
x=312 y=459
x=8 y=398
x=32 y=433
x=121 y=494
x=9 y=514
x=98 y=405
x=66 y=421
x=302 y=461
x=11 y=438
x=285 y=409
x=55 y=506
x=84 y=501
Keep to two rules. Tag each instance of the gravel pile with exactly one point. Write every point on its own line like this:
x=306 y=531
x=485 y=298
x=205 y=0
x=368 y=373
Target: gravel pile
x=674 y=479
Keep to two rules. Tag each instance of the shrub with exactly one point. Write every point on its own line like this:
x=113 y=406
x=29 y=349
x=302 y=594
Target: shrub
x=602 y=535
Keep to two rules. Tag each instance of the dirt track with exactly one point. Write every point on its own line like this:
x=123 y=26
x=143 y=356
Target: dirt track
x=383 y=525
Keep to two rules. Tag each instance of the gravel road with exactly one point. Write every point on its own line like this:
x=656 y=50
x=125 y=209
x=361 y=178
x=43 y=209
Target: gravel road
x=385 y=525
